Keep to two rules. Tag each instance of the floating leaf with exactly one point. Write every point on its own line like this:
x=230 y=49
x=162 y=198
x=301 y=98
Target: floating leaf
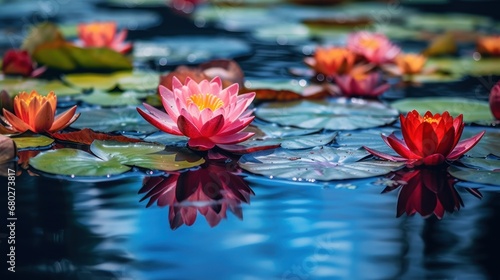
x=112 y=120
x=33 y=142
x=442 y=45
x=87 y=136
x=334 y=114
x=370 y=138
x=481 y=163
x=145 y=155
x=489 y=144
x=112 y=99
x=192 y=49
x=473 y=110
x=72 y=162
x=475 y=176
x=484 y=67
x=126 y=80
x=436 y=77
x=67 y=57
x=166 y=139
x=113 y=158
x=268 y=136
x=13 y=86
x=325 y=163
x=450 y=21
x=284 y=90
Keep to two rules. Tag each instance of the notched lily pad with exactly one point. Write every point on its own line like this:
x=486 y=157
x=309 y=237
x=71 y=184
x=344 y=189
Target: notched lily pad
x=325 y=164
x=125 y=80
x=489 y=144
x=334 y=114
x=112 y=99
x=39 y=141
x=473 y=110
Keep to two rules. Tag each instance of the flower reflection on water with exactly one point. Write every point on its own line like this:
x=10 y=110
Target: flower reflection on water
x=211 y=190
x=427 y=191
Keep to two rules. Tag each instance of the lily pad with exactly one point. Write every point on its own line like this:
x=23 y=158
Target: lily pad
x=335 y=113
x=64 y=56
x=370 y=138
x=72 y=162
x=113 y=158
x=33 y=142
x=473 y=110
x=166 y=139
x=112 y=99
x=450 y=21
x=283 y=34
x=125 y=80
x=325 y=164
x=192 y=49
x=481 y=163
x=475 y=176
x=13 y=86
x=433 y=78
x=112 y=120
x=489 y=144
x=484 y=67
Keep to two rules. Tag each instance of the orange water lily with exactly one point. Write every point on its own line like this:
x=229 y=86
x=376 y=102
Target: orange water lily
x=332 y=61
x=489 y=45
x=35 y=113
x=410 y=63
x=103 y=34
x=428 y=139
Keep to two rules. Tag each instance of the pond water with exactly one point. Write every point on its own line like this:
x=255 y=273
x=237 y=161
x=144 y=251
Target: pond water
x=208 y=223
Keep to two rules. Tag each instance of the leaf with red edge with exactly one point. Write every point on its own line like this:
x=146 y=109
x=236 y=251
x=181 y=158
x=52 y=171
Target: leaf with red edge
x=285 y=90
x=87 y=136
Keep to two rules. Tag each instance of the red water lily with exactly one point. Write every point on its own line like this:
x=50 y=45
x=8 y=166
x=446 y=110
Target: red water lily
x=103 y=35
x=427 y=191
x=35 y=113
x=19 y=62
x=204 y=112
x=428 y=140
x=495 y=101
x=211 y=190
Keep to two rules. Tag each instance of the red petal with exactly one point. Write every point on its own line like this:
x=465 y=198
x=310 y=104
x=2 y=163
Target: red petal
x=464 y=146
x=400 y=147
x=187 y=127
x=384 y=156
x=213 y=126
x=434 y=159
x=158 y=123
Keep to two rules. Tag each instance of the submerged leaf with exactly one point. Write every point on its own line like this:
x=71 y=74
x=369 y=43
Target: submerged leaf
x=325 y=163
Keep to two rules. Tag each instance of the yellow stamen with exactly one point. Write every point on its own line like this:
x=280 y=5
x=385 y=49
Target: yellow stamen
x=431 y=120
x=205 y=100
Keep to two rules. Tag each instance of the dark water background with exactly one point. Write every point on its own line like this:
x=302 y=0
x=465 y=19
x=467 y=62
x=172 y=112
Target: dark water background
x=288 y=230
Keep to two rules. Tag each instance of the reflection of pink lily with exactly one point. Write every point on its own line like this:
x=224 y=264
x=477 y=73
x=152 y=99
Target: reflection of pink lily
x=210 y=190
x=427 y=191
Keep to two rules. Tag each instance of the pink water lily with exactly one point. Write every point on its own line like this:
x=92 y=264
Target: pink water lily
x=495 y=101
x=204 y=112
x=365 y=85
x=376 y=48
x=428 y=139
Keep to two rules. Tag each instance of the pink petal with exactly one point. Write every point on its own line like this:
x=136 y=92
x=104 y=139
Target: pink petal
x=236 y=126
x=187 y=127
x=464 y=146
x=201 y=144
x=213 y=126
x=232 y=139
x=159 y=123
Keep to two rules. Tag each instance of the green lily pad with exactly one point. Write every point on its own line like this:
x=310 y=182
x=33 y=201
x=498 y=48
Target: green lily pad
x=285 y=33
x=481 y=163
x=334 y=114
x=112 y=99
x=125 y=80
x=72 y=162
x=33 y=142
x=192 y=49
x=371 y=138
x=64 y=56
x=475 y=176
x=325 y=164
x=145 y=155
x=113 y=158
x=433 y=78
x=450 y=21
x=13 y=86
x=112 y=120
x=166 y=139
x=488 y=145
x=473 y=110
x=484 y=67
x=293 y=85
